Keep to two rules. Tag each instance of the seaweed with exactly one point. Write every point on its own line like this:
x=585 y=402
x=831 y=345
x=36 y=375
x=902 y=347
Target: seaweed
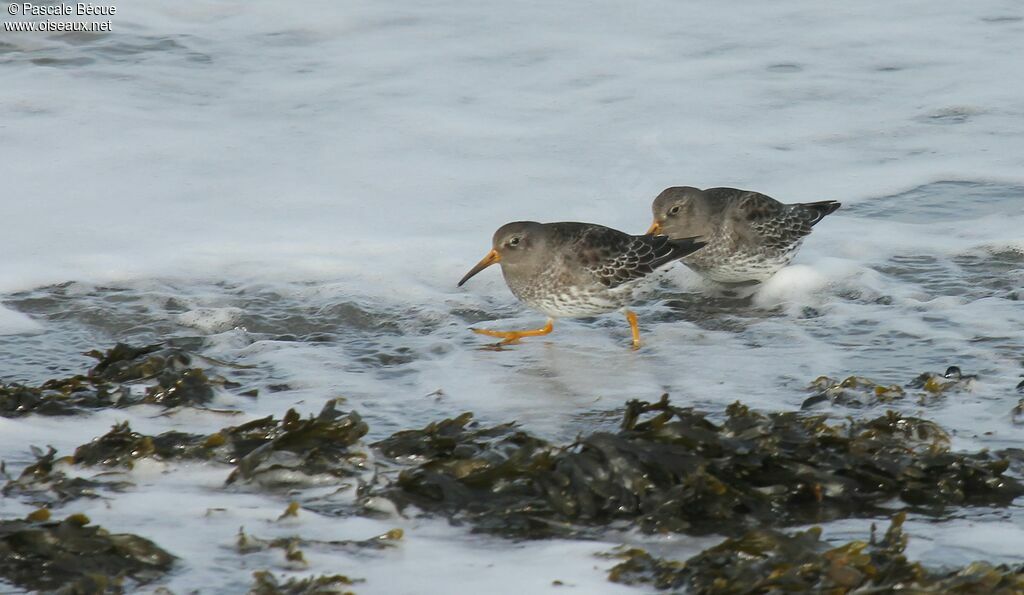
x=45 y=485
x=121 y=446
x=265 y=583
x=286 y=452
x=65 y=396
x=769 y=561
x=951 y=380
x=295 y=559
x=853 y=391
x=74 y=556
x=123 y=363
x=247 y=544
x=672 y=469
x=174 y=389
x=860 y=392
x=270 y=453
x=109 y=384
x=486 y=472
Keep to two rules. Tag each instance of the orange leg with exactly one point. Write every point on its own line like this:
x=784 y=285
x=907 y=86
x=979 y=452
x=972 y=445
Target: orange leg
x=634 y=327
x=514 y=336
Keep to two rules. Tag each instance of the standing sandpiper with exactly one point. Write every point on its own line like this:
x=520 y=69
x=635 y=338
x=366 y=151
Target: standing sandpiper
x=749 y=235
x=576 y=269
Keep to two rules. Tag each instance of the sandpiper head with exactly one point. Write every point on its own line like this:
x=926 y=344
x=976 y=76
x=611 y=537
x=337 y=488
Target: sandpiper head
x=513 y=244
x=678 y=209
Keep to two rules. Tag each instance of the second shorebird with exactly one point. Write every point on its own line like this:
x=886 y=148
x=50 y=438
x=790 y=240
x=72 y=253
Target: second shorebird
x=750 y=235
x=576 y=269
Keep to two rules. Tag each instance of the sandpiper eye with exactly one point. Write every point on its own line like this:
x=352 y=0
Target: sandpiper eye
x=513 y=242
x=674 y=210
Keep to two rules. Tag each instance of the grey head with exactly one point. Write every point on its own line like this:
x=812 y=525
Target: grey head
x=518 y=246
x=682 y=211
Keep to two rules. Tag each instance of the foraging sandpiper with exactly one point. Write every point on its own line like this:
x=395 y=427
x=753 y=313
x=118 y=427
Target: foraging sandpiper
x=576 y=269
x=750 y=236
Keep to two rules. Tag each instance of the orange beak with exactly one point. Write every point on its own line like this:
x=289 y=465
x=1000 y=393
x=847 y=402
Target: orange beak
x=655 y=229
x=491 y=258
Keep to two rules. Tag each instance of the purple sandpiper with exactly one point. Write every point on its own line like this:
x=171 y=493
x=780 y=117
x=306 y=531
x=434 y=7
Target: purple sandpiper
x=576 y=269
x=749 y=235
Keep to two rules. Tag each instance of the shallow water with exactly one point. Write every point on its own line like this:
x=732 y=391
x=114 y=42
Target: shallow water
x=297 y=192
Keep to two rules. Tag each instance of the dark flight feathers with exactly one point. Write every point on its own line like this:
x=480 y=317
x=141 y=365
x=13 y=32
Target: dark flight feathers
x=614 y=257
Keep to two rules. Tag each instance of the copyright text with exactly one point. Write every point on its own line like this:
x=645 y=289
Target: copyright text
x=80 y=9
x=66 y=10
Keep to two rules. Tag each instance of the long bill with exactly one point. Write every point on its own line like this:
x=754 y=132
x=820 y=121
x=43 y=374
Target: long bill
x=655 y=229
x=491 y=258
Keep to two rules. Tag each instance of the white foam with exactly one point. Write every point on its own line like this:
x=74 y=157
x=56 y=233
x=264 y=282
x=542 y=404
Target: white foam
x=13 y=322
x=794 y=284
x=212 y=320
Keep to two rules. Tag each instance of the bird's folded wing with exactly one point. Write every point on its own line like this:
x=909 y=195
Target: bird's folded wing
x=772 y=222
x=614 y=258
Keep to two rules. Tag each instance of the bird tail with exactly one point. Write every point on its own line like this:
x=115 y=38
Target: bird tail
x=816 y=211
x=685 y=246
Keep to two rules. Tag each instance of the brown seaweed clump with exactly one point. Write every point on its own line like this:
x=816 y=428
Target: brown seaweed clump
x=487 y=473
x=47 y=555
x=768 y=561
x=109 y=384
x=671 y=469
x=121 y=446
x=859 y=392
x=297 y=451
x=46 y=483
x=286 y=452
x=265 y=583
x=315 y=445
x=43 y=484
x=292 y=546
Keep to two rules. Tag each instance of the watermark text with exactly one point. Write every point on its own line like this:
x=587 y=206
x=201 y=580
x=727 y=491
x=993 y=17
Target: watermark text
x=78 y=9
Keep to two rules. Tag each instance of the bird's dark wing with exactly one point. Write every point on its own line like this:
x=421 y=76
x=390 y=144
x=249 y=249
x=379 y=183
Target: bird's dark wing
x=614 y=257
x=813 y=212
x=772 y=223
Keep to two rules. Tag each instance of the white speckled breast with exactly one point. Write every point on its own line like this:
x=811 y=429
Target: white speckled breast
x=573 y=301
x=718 y=263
